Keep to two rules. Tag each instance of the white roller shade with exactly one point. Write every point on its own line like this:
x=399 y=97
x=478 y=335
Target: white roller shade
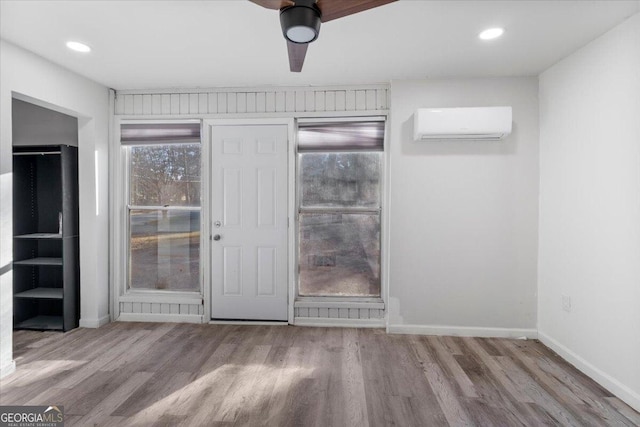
x=159 y=133
x=341 y=136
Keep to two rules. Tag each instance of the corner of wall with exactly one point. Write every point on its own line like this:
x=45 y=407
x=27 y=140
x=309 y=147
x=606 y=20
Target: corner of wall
x=631 y=397
x=588 y=229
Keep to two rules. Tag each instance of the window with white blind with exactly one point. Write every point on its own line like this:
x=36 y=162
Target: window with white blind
x=163 y=205
x=339 y=205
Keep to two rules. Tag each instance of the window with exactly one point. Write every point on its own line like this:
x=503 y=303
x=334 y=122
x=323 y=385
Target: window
x=163 y=209
x=339 y=204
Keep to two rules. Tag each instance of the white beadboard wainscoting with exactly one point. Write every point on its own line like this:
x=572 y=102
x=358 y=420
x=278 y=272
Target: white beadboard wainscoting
x=348 y=317
x=161 y=312
x=315 y=312
x=250 y=103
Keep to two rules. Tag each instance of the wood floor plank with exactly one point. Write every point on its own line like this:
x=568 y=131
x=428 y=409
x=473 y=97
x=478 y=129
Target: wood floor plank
x=84 y=397
x=116 y=350
x=376 y=381
x=72 y=420
x=11 y=395
x=391 y=359
x=316 y=392
x=280 y=401
x=407 y=409
x=452 y=344
x=242 y=390
x=565 y=414
x=207 y=398
x=599 y=405
x=101 y=413
x=454 y=412
x=355 y=400
x=152 y=374
x=422 y=351
x=169 y=421
x=540 y=416
x=547 y=382
x=205 y=394
x=274 y=365
x=445 y=359
x=624 y=409
x=496 y=370
x=138 y=347
x=570 y=393
x=491 y=389
x=159 y=387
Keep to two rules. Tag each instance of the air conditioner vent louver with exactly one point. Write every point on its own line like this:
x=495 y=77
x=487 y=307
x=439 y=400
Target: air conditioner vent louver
x=477 y=123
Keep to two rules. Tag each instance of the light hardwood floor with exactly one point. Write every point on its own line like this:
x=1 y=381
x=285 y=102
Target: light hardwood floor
x=190 y=375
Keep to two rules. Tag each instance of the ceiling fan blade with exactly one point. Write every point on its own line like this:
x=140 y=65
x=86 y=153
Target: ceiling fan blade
x=334 y=9
x=297 y=53
x=273 y=4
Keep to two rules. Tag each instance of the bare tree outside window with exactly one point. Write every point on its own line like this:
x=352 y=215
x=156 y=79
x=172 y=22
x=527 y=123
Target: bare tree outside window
x=164 y=217
x=339 y=194
x=334 y=180
x=165 y=175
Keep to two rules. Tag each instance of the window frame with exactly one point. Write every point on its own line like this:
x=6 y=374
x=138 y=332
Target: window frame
x=349 y=300
x=125 y=293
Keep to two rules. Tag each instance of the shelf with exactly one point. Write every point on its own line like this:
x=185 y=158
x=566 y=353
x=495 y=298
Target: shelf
x=40 y=236
x=36 y=153
x=39 y=261
x=41 y=293
x=41 y=323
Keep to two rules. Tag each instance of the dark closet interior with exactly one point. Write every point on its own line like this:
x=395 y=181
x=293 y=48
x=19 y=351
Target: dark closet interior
x=45 y=224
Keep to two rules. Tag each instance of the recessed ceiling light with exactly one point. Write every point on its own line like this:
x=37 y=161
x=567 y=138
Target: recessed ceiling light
x=491 y=33
x=78 y=47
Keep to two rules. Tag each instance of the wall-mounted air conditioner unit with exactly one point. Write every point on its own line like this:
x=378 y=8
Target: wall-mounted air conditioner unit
x=481 y=123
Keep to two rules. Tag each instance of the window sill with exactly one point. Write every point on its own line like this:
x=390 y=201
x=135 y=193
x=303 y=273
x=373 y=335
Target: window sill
x=162 y=297
x=373 y=303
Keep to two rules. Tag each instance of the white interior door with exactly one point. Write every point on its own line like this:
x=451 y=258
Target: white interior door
x=249 y=222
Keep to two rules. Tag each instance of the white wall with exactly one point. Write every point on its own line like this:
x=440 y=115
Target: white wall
x=590 y=209
x=464 y=215
x=32 y=78
x=34 y=125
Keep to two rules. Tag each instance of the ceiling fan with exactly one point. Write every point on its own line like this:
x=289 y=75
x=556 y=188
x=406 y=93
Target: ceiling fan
x=300 y=20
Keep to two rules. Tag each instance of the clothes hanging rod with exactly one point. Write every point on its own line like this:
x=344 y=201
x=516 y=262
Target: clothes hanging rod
x=37 y=153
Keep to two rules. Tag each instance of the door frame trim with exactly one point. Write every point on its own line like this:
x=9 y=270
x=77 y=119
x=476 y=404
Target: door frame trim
x=206 y=204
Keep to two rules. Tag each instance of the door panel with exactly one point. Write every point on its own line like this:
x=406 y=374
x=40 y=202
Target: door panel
x=249 y=214
x=232 y=197
x=267 y=198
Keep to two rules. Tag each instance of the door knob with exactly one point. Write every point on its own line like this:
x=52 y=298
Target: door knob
x=216 y=237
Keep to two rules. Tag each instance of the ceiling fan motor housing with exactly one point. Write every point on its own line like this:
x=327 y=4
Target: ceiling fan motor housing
x=301 y=22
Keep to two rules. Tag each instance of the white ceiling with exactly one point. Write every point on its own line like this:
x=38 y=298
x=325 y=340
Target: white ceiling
x=163 y=44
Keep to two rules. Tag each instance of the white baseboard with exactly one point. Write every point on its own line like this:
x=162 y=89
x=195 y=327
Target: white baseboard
x=629 y=396
x=462 y=331
x=94 y=323
x=341 y=323
x=8 y=369
x=158 y=317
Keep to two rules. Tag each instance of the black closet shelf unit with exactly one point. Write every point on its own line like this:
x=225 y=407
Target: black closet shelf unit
x=40 y=261
x=46 y=279
x=42 y=323
x=41 y=293
x=38 y=236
